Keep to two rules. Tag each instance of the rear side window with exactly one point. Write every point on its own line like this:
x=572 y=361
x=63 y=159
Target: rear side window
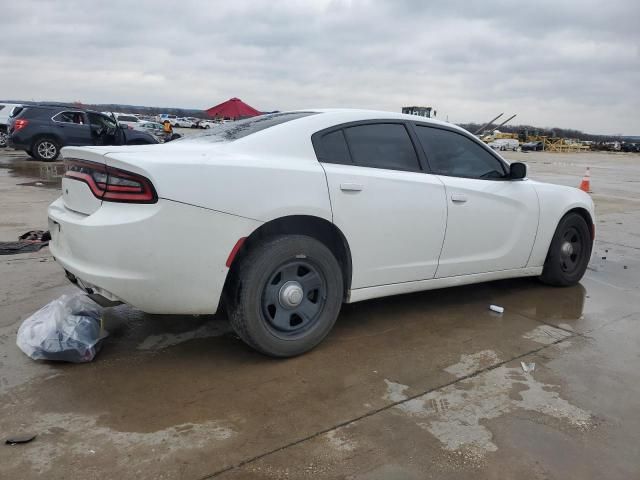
x=242 y=128
x=333 y=148
x=125 y=118
x=452 y=154
x=382 y=145
x=69 y=117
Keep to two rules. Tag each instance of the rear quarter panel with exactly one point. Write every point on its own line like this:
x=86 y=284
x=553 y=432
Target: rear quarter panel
x=260 y=187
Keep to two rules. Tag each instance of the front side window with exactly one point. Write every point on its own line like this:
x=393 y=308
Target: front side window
x=101 y=121
x=382 y=145
x=453 y=154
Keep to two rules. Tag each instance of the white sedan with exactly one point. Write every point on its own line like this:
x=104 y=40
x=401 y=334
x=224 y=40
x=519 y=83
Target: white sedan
x=284 y=217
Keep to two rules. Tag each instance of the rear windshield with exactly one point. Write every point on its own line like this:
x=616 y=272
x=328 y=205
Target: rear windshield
x=16 y=111
x=228 y=132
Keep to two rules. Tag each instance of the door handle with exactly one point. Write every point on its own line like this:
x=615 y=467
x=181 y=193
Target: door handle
x=351 y=187
x=458 y=198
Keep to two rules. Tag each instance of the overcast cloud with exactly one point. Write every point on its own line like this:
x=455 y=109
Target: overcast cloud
x=554 y=63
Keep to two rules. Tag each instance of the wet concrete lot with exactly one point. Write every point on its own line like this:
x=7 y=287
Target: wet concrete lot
x=428 y=385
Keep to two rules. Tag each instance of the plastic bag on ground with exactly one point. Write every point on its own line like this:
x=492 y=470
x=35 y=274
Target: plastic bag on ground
x=67 y=329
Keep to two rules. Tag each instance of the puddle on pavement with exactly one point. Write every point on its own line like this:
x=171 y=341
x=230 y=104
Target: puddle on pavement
x=47 y=175
x=456 y=415
x=64 y=433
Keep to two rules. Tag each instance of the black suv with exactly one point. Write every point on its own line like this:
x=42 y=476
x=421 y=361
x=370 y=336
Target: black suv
x=42 y=130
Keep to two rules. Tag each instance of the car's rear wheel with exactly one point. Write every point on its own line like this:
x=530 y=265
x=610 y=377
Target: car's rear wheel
x=569 y=252
x=45 y=149
x=3 y=139
x=177 y=125
x=287 y=295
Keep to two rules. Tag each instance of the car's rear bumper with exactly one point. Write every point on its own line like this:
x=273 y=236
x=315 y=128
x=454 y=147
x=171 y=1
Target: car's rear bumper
x=18 y=142
x=167 y=257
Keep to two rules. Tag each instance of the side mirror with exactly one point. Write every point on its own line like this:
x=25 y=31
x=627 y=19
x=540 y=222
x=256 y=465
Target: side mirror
x=517 y=171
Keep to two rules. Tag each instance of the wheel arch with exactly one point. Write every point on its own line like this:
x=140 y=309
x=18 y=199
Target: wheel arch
x=316 y=227
x=584 y=213
x=53 y=136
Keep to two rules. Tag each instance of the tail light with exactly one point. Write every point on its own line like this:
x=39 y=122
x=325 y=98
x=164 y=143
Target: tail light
x=19 y=124
x=111 y=184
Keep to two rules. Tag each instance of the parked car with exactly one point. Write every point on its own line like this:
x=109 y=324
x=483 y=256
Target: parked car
x=504 y=144
x=5 y=113
x=177 y=122
x=183 y=122
x=125 y=119
x=532 y=147
x=42 y=130
x=206 y=124
x=154 y=128
x=284 y=217
x=165 y=116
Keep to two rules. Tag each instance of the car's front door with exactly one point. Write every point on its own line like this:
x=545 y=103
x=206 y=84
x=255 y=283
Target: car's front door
x=392 y=213
x=492 y=221
x=73 y=128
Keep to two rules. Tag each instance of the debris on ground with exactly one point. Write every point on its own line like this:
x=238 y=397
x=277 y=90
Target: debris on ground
x=36 y=236
x=67 y=329
x=32 y=241
x=16 y=439
x=496 y=308
x=528 y=367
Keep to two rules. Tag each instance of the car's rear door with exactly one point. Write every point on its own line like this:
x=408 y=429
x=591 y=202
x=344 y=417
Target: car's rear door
x=73 y=128
x=492 y=221
x=392 y=213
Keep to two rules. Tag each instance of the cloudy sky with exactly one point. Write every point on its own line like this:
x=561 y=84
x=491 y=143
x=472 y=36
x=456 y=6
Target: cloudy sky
x=559 y=63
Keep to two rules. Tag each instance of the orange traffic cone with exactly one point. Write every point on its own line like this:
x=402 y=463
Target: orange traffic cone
x=585 y=184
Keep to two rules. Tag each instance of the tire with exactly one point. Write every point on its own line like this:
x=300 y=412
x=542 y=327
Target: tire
x=45 y=149
x=3 y=139
x=285 y=295
x=177 y=125
x=569 y=252
x=207 y=126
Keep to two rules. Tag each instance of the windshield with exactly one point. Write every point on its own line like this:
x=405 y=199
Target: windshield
x=235 y=130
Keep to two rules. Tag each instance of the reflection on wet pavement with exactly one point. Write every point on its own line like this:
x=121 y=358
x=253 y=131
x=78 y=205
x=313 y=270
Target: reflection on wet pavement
x=18 y=164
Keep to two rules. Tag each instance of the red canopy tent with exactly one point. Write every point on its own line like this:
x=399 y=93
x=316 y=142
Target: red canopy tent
x=234 y=108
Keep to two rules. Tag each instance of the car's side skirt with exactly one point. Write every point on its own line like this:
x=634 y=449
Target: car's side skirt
x=360 y=294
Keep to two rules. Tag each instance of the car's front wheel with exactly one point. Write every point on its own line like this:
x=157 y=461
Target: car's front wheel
x=45 y=149
x=287 y=293
x=569 y=252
